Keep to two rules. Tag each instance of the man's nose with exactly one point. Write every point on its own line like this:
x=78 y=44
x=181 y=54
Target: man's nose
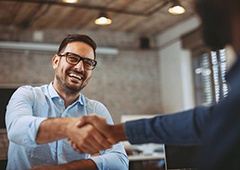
x=79 y=66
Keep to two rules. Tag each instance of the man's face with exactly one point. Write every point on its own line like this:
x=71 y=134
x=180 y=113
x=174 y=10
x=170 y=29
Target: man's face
x=72 y=78
x=215 y=24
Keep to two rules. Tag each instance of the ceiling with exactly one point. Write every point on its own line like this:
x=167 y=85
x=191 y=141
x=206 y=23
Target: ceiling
x=147 y=17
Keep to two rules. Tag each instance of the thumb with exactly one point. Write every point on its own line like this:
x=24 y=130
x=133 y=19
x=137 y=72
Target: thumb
x=81 y=122
x=97 y=121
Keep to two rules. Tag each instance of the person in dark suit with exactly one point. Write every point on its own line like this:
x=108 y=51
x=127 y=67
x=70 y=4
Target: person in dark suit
x=216 y=128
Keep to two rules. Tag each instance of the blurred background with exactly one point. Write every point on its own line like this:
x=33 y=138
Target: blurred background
x=151 y=57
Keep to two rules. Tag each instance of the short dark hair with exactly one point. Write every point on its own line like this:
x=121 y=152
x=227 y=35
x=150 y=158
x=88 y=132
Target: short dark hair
x=77 y=37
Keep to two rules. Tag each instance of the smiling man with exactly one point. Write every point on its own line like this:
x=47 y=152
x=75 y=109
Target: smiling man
x=40 y=120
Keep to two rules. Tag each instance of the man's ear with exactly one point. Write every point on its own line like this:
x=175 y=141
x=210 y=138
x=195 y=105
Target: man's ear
x=55 y=61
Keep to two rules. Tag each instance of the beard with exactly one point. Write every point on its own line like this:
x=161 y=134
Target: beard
x=216 y=25
x=68 y=87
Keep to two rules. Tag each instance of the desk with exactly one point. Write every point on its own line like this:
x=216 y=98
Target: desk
x=146 y=157
x=147 y=162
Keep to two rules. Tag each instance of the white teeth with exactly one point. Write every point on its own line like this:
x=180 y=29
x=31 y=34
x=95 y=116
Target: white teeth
x=76 y=76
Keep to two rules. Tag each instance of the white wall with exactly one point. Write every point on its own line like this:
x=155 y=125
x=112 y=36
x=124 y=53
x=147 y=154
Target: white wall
x=176 y=79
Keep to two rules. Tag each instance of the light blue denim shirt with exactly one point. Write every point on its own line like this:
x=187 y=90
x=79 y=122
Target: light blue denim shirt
x=28 y=107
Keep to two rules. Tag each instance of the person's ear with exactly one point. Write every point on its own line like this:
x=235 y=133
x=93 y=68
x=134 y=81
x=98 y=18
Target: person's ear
x=55 y=61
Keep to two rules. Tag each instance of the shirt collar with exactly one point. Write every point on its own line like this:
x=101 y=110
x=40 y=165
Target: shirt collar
x=53 y=94
x=52 y=91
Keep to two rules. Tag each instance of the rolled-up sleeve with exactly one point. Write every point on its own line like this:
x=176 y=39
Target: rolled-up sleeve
x=22 y=125
x=114 y=158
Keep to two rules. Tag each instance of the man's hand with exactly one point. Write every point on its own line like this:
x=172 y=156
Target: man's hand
x=86 y=138
x=100 y=124
x=112 y=134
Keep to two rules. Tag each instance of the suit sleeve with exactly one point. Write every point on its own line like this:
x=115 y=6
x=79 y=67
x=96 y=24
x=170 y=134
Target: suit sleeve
x=182 y=128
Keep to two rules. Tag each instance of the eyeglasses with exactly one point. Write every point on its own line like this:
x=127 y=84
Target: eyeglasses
x=74 y=59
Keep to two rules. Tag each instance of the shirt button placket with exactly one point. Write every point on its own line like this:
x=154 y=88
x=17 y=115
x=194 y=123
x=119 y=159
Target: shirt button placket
x=61 y=106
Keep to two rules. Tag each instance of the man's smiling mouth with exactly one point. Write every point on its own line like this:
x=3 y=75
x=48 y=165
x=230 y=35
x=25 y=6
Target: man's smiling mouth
x=75 y=76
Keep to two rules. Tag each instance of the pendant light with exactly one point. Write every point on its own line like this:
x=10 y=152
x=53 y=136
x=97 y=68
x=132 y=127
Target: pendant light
x=103 y=19
x=70 y=1
x=176 y=8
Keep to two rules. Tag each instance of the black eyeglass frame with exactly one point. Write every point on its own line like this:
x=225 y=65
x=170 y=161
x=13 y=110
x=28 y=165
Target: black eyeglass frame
x=66 y=54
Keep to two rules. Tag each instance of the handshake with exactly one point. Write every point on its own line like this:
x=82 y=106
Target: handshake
x=91 y=134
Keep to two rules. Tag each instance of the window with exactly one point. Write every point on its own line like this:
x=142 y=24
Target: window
x=209 y=69
x=209 y=75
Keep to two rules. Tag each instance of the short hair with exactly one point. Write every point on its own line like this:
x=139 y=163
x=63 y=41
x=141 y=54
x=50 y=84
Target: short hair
x=78 y=37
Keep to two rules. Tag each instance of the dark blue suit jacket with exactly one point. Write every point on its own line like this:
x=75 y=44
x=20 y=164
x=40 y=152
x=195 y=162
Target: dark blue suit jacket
x=221 y=137
x=215 y=128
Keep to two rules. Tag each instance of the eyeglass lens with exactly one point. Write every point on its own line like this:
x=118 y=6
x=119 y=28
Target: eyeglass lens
x=75 y=59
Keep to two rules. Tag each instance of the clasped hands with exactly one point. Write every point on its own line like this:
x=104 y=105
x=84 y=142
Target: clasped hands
x=91 y=134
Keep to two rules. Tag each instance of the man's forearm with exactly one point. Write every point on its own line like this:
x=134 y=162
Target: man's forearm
x=87 y=164
x=118 y=133
x=53 y=129
x=87 y=136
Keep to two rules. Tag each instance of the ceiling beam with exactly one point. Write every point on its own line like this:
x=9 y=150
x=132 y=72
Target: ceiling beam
x=145 y=13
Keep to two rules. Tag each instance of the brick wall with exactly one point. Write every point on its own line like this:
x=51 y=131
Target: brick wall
x=127 y=83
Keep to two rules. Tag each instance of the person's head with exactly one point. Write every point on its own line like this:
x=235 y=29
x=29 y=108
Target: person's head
x=216 y=16
x=74 y=63
x=77 y=37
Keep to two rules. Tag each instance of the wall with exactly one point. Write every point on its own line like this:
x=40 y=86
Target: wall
x=176 y=84
x=127 y=83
